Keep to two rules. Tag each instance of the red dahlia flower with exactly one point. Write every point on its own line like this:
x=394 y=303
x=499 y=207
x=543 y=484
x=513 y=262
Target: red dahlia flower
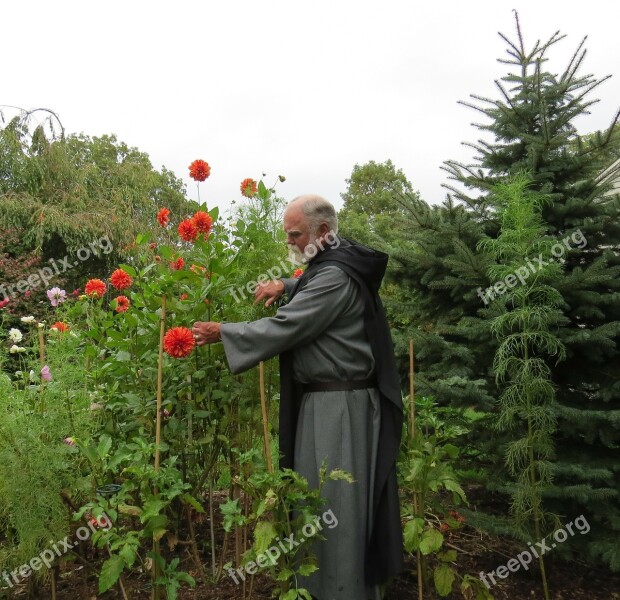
x=249 y=187
x=199 y=170
x=187 y=230
x=95 y=287
x=298 y=273
x=178 y=264
x=122 y=304
x=120 y=279
x=162 y=216
x=60 y=326
x=202 y=221
x=179 y=342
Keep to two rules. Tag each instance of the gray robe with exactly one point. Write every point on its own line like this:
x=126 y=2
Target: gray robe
x=324 y=326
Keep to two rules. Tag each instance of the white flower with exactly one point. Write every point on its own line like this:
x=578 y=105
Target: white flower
x=29 y=319
x=15 y=335
x=32 y=376
x=41 y=325
x=14 y=349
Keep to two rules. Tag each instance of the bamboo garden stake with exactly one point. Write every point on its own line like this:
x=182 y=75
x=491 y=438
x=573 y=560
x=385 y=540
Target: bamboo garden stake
x=160 y=371
x=411 y=438
x=264 y=409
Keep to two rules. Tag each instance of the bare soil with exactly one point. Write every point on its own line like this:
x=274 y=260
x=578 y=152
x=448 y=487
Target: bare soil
x=77 y=578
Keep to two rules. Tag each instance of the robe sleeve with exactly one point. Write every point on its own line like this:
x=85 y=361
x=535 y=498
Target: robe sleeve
x=289 y=284
x=304 y=318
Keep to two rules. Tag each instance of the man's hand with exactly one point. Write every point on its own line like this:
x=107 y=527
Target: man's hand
x=206 y=332
x=271 y=290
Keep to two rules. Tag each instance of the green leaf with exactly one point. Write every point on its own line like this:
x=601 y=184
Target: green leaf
x=186 y=577
x=230 y=507
x=290 y=595
x=123 y=356
x=128 y=269
x=451 y=450
x=447 y=556
x=285 y=574
x=431 y=541
x=156 y=527
x=336 y=474
x=412 y=532
x=110 y=572
x=104 y=447
x=128 y=554
x=444 y=578
x=193 y=502
x=453 y=486
x=264 y=533
x=151 y=509
x=307 y=569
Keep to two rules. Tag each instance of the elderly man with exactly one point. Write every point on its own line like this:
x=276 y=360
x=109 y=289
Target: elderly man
x=340 y=394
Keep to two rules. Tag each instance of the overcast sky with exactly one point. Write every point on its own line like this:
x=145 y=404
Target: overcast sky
x=302 y=89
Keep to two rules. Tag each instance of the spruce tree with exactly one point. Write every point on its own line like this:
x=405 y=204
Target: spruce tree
x=442 y=283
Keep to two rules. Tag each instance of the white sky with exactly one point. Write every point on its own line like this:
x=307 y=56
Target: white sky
x=303 y=89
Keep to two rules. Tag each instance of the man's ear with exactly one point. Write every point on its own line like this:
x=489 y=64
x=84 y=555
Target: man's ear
x=323 y=230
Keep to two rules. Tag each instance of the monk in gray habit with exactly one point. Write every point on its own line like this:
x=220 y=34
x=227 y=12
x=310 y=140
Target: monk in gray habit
x=340 y=395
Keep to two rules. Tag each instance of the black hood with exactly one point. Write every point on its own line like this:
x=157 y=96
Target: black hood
x=368 y=263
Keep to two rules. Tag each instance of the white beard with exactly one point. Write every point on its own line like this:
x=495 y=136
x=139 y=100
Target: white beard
x=295 y=256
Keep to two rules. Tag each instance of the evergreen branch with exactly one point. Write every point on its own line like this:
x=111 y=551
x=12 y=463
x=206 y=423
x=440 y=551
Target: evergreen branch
x=570 y=71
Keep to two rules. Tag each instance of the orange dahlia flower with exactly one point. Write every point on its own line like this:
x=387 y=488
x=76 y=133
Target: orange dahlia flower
x=249 y=187
x=162 y=216
x=199 y=170
x=60 y=326
x=187 y=230
x=95 y=288
x=122 y=304
x=120 y=279
x=202 y=221
x=179 y=342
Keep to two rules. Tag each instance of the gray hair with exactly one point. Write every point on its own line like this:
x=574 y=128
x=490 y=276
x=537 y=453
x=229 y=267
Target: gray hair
x=317 y=210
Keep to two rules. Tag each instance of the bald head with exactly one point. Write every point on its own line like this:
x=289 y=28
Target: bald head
x=317 y=210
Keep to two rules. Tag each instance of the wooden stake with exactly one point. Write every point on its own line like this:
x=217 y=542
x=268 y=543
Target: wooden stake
x=411 y=438
x=264 y=409
x=160 y=376
x=212 y=529
x=411 y=400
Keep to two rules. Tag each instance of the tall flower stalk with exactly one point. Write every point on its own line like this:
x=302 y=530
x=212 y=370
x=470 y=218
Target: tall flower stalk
x=526 y=316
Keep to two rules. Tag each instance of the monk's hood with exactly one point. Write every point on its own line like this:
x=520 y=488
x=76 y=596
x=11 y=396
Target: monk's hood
x=369 y=263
